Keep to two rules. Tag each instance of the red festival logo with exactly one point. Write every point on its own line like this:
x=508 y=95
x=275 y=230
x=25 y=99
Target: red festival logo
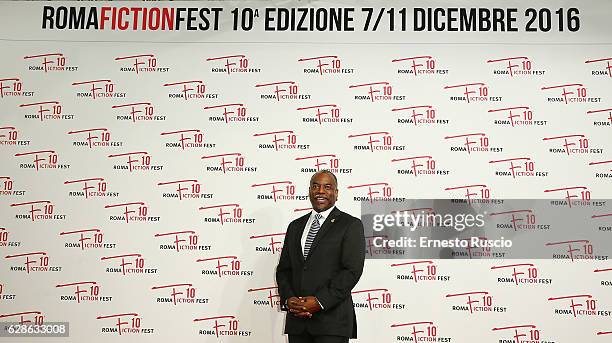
x=486 y=299
x=428 y=165
x=233 y=215
x=233 y=63
x=585 y=194
x=104 y=136
x=522 y=163
x=291 y=138
x=55 y=109
x=272 y=298
x=231 y=324
x=482 y=143
x=583 y=143
x=233 y=265
x=47 y=209
x=42 y=260
x=190 y=292
x=332 y=164
x=7 y=185
x=197 y=137
x=580 y=91
x=515 y=119
x=384 y=298
x=427 y=112
x=99 y=188
x=194 y=189
x=236 y=158
x=54 y=58
x=532 y=271
x=325 y=64
x=607 y=60
x=513 y=62
x=427 y=66
x=376 y=190
x=138 y=262
x=600 y=162
x=38 y=317
x=285 y=186
x=142 y=209
x=519 y=336
x=198 y=87
x=519 y=222
x=14 y=85
x=139 y=107
x=4 y=236
x=97 y=238
x=430 y=336
x=608 y=110
x=574 y=247
x=133 y=328
x=231 y=112
x=151 y=62
x=11 y=135
x=373 y=90
x=50 y=159
x=178 y=242
x=589 y=303
x=322 y=110
x=473 y=190
x=273 y=248
x=384 y=143
x=109 y=86
x=473 y=91
x=91 y=294
x=141 y=163
x=427 y=273
x=291 y=90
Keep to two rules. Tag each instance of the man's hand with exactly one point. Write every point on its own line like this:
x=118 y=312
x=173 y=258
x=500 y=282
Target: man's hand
x=297 y=307
x=310 y=304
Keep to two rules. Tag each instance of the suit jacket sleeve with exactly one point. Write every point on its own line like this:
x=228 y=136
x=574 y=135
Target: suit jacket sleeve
x=352 y=259
x=284 y=273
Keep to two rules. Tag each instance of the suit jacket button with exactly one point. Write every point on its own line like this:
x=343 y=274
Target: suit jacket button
x=305 y=267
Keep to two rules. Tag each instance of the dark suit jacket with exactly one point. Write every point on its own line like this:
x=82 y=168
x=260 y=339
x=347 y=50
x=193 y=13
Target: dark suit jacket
x=332 y=269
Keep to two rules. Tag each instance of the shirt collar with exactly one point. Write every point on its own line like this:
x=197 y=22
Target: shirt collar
x=323 y=214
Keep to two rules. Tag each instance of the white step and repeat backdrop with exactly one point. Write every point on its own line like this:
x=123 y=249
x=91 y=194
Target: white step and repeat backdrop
x=154 y=153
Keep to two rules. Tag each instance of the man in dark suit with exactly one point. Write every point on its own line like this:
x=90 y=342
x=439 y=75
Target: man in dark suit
x=321 y=261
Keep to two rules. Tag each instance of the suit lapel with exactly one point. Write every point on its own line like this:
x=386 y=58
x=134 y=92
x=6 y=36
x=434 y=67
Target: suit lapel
x=297 y=241
x=327 y=225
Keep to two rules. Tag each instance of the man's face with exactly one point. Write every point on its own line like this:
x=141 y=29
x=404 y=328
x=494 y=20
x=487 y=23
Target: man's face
x=323 y=192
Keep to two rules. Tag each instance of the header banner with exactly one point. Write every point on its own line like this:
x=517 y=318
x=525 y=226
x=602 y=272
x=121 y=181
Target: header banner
x=330 y=21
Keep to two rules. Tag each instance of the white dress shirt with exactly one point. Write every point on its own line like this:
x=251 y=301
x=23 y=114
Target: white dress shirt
x=324 y=215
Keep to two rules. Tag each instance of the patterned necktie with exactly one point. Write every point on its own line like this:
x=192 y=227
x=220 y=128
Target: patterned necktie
x=312 y=233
